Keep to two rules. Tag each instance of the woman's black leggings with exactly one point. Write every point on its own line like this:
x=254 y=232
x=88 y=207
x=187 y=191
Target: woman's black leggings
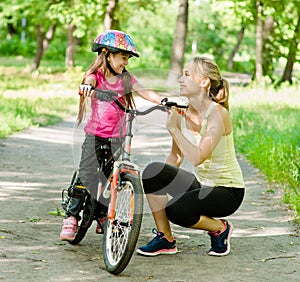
x=190 y=199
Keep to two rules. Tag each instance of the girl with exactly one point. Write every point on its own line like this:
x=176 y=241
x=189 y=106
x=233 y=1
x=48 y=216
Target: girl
x=216 y=188
x=106 y=121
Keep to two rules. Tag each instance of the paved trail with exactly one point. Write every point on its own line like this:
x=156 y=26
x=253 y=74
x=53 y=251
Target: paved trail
x=37 y=163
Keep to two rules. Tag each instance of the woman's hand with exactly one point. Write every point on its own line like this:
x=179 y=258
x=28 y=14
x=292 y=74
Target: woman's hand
x=173 y=121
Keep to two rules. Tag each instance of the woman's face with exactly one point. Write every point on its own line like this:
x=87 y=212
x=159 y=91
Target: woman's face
x=118 y=61
x=188 y=85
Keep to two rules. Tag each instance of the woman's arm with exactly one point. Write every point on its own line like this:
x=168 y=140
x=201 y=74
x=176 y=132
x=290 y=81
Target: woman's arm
x=147 y=94
x=198 y=154
x=175 y=157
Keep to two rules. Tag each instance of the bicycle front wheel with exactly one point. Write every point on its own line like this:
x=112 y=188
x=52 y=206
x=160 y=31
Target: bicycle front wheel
x=121 y=232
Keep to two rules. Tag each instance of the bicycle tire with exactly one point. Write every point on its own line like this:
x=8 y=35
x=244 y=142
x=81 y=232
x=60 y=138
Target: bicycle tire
x=88 y=215
x=121 y=233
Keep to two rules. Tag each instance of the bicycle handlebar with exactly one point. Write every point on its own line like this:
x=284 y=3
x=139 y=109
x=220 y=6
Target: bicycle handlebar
x=108 y=95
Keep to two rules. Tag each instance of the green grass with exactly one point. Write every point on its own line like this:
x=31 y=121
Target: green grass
x=19 y=113
x=266 y=125
x=34 y=99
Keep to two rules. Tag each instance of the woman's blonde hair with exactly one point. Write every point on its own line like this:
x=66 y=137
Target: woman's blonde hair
x=219 y=87
x=101 y=62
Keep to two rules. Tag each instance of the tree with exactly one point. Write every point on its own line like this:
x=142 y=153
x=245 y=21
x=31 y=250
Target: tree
x=36 y=15
x=71 y=45
x=75 y=16
x=43 y=42
x=178 y=46
x=236 y=47
x=259 y=43
x=110 y=22
x=294 y=42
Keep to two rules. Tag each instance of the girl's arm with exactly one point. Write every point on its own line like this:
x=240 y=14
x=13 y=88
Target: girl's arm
x=198 y=154
x=147 y=94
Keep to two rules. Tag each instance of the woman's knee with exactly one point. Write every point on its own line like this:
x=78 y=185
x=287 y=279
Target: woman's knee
x=151 y=177
x=152 y=170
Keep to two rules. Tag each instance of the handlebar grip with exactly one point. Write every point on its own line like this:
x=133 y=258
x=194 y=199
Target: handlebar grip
x=102 y=95
x=83 y=87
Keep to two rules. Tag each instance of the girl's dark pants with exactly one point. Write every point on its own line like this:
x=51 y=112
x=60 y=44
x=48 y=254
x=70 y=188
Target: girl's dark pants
x=95 y=150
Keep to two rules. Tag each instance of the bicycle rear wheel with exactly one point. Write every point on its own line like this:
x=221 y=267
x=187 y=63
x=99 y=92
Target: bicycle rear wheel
x=121 y=233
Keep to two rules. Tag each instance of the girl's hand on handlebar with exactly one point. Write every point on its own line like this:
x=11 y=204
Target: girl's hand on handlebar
x=86 y=90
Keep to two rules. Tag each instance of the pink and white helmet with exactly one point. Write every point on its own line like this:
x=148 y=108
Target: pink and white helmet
x=114 y=41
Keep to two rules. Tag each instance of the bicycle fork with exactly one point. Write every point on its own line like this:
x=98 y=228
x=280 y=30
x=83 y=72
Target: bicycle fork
x=120 y=168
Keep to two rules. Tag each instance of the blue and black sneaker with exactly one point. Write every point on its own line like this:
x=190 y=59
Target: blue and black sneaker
x=220 y=241
x=158 y=245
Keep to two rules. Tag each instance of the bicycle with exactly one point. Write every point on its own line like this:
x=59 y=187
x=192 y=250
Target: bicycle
x=124 y=192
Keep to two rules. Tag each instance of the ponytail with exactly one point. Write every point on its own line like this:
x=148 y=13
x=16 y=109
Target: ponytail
x=220 y=94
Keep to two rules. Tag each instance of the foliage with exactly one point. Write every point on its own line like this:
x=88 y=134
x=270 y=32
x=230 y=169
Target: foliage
x=267 y=133
x=17 y=114
x=14 y=46
x=57 y=212
x=212 y=29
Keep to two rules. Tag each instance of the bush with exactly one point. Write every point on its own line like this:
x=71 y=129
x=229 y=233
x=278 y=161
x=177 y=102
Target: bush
x=16 y=47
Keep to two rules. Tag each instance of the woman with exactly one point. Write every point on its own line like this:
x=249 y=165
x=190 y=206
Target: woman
x=216 y=188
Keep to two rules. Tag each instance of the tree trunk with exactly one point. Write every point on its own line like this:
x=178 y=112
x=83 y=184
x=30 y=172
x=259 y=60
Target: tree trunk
x=259 y=44
x=178 y=46
x=71 y=44
x=11 y=30
x=236 y=47
x=49 y=36
x=268 y=30
x=39 y=49
x=287 y=74
x=42 y=45
x=109 y=21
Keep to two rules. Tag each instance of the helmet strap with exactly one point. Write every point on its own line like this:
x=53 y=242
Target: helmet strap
x=111 y=69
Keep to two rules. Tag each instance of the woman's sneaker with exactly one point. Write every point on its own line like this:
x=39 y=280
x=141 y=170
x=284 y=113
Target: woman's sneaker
x=69 y=229
x=158 y=245
x=220 y=241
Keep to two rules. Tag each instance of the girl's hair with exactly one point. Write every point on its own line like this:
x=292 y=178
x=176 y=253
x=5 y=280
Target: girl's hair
x=101 y=61
x=219 y=87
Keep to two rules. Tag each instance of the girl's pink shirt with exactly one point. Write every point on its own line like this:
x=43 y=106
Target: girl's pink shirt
x=107 y=118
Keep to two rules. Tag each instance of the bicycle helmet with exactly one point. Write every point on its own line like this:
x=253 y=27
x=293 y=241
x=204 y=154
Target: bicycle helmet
x=114 y=41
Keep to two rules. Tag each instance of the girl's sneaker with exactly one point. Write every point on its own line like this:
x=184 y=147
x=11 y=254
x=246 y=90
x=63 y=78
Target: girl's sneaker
x=69 y=229
x=158 y=245
x=220 y=241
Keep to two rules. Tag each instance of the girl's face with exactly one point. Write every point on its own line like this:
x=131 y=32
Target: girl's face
x=188 y=85
x=118 y=61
